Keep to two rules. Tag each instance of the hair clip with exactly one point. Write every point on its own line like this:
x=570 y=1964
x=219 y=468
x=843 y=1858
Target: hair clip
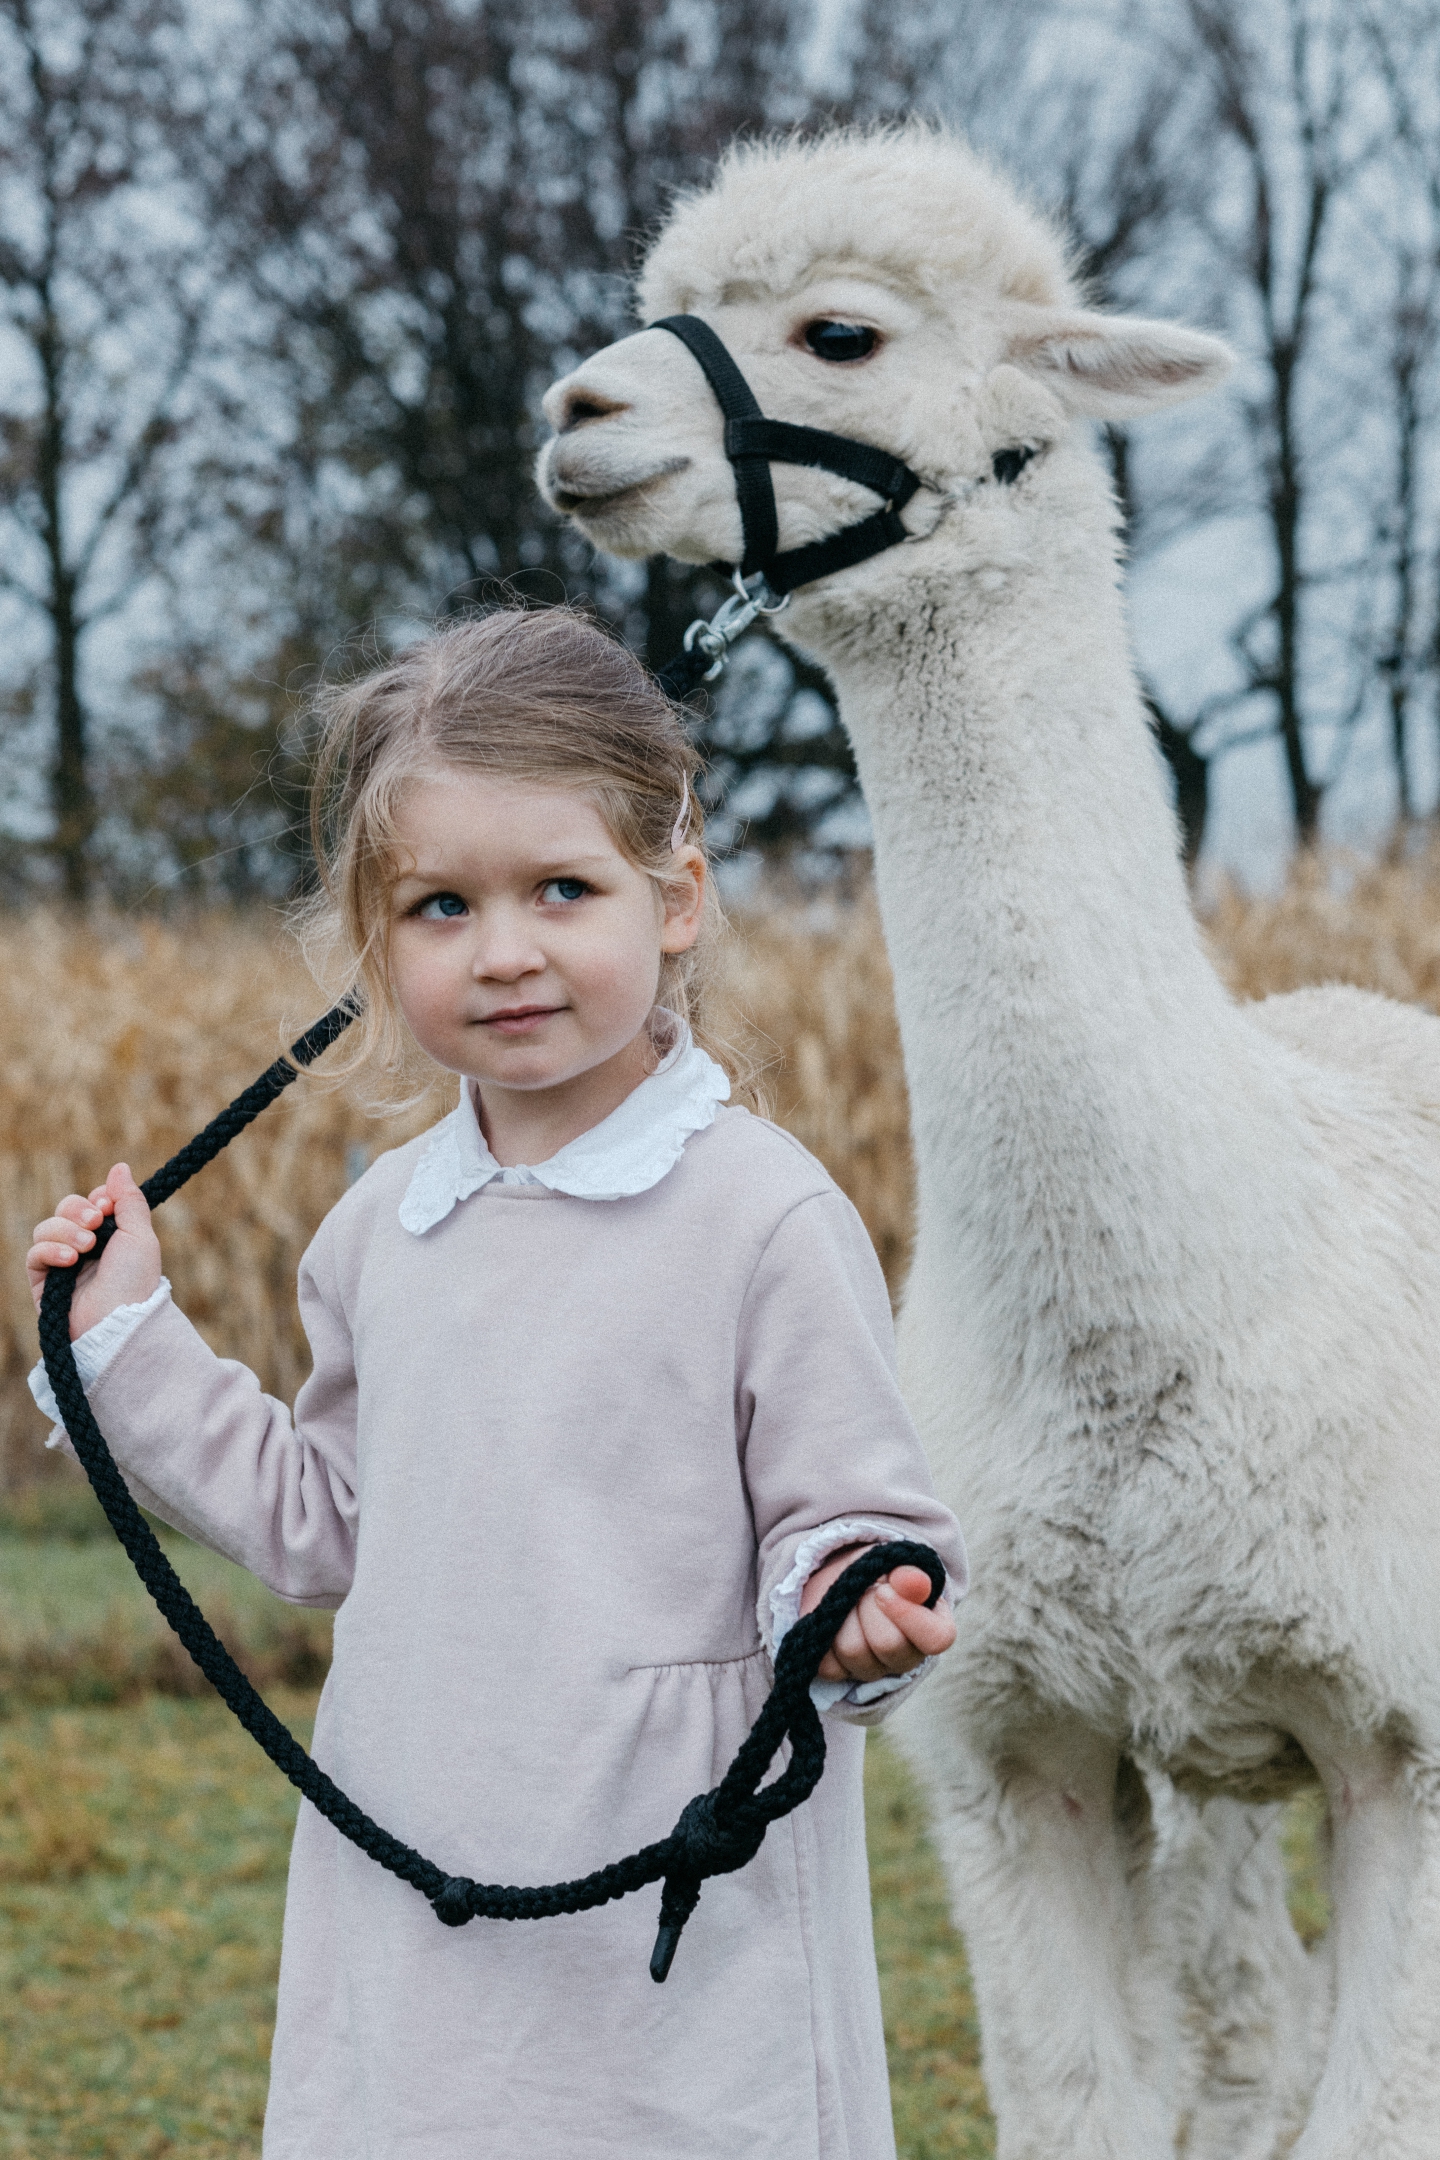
x=677 y=834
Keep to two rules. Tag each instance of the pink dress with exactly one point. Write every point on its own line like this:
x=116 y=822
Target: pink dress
x=561 y=1466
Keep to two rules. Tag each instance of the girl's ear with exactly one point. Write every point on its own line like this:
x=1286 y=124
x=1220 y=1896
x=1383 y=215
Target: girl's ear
x=683 y=896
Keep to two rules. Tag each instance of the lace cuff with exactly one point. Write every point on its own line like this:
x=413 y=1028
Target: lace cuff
x=95 y=1351
x=814 y=1550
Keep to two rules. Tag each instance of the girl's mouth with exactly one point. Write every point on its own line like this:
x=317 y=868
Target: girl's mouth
x=520 y=1019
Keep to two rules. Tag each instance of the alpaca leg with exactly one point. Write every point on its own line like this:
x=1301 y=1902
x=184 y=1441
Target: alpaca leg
x=1255 y=2007
x=1379 y=2097
x=1041 y=1850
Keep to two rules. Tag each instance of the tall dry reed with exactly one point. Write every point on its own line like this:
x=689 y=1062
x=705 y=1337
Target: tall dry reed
x=118 y=1042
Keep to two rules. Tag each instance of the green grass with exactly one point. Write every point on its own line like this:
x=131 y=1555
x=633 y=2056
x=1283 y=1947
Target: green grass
x=931 y=2034
x=142 y=1877
x=78 y=1627
x=1304 y=1840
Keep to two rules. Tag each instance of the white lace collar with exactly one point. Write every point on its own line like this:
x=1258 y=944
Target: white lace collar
x=628 y=1152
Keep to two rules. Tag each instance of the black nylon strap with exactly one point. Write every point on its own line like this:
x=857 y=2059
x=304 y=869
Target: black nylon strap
x=841 y=551
x=732 y=393
x=759 y=519
x=786 y=444
x=737 y=401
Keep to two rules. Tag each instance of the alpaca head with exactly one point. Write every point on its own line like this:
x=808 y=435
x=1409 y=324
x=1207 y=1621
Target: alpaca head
x=969 y=339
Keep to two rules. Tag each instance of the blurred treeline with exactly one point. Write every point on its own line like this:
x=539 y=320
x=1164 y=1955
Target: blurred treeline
x=281 y=286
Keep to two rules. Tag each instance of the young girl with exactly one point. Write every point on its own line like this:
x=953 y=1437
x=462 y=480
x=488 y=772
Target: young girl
x=603 y=1397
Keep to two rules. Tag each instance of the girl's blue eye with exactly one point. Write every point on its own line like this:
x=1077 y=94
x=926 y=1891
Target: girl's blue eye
x=565 y=888
x=441 y=906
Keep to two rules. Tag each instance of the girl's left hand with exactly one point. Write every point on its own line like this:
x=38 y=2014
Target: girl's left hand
x=890 y=1631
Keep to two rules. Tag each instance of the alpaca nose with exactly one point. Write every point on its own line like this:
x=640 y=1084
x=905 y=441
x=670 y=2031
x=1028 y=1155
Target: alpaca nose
x=572 y=403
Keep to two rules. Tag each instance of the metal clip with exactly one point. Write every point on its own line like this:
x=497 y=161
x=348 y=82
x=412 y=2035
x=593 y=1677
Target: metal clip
x=730 y=620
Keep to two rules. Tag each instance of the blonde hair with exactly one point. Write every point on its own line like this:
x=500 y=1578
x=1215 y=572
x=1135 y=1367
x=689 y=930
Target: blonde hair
x=531 y=694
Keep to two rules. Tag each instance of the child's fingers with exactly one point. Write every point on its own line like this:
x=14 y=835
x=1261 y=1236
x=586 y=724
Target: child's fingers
x=867 y=1645
x=58 y=1244
x=928 y=1630
x=890 y=1630
x=881 y=1620
x=899 y=1633
x=888 y=1633
x=61 y=1239
x=63 y=1230
x=912 y=1583
x=74 y=1209
x=887 y=1643
x=132 y=1209
x=848 y=1653
x=130 y=1267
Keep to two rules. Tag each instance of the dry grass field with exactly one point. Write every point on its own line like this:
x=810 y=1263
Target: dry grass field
x=142 y=1839
x=119 y=1041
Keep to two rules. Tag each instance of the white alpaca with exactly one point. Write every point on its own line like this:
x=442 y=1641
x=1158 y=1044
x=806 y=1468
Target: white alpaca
x=1171 y=1328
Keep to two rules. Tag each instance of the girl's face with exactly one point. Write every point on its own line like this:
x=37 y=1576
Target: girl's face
x=525 y=948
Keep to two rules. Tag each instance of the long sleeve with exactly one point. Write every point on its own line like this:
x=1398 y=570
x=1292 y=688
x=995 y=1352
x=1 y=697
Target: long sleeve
x=827 y=1437
x=205 y=1449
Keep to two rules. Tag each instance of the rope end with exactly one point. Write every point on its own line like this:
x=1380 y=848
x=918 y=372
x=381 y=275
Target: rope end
x=662 y=1957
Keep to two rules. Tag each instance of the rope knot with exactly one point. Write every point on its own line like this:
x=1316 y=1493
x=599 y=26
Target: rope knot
x=704 y=1846
x=700 y=1845
x=451 y=1901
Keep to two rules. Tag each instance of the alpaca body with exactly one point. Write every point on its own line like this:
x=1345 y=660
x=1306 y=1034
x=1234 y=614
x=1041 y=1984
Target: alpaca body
x=1169 y=1329
x=1167 y=1337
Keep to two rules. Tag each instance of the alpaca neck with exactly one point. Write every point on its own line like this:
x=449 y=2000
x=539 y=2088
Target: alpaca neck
x=1093 y=1118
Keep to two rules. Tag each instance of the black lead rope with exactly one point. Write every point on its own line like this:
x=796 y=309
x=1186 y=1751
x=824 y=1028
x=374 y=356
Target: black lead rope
x=764 y=577
x=717 y=1832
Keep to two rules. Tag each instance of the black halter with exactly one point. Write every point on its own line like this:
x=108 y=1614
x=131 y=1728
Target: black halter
x=752 y=441
x=765 y=578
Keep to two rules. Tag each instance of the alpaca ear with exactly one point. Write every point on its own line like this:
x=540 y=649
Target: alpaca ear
x=1111 y=367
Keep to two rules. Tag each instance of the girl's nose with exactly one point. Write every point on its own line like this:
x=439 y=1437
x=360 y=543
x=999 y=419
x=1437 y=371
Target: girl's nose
x=505 y=954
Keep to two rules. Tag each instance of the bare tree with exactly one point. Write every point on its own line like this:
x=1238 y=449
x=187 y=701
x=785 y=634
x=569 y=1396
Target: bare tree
x=1408 y=339
x=1124 y=175
x=439 y=206
x=1096 y=115
x=1404 y=38
x=1289 y=136
x=101 y=308
x=417 y=212
x=438 y=209
x=213 y=785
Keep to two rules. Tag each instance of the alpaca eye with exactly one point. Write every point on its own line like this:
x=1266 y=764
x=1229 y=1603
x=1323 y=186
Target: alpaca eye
x=840 y=340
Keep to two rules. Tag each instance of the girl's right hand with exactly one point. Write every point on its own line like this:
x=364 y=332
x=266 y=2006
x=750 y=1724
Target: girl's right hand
x=129 y=1268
